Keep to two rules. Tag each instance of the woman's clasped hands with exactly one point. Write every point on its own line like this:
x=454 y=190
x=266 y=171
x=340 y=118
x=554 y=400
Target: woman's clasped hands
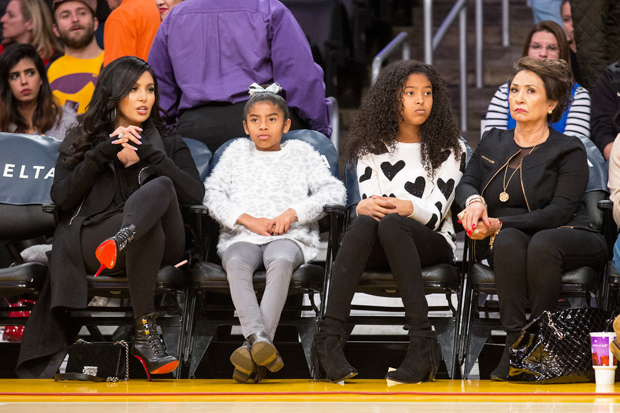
x=127 y=137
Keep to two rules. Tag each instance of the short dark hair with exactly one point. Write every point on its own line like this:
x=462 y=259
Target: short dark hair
x=277 y=99
x=557 y=31
x=557 y=80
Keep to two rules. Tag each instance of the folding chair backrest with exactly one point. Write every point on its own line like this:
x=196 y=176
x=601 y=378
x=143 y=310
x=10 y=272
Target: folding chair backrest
x=27 y=165
x=320 y=142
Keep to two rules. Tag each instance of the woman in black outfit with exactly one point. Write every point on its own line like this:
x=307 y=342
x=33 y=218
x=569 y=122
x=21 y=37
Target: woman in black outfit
x=532 y=179
x=119 y=180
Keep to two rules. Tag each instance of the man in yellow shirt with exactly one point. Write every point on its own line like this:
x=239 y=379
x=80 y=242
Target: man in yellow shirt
x=73 y=76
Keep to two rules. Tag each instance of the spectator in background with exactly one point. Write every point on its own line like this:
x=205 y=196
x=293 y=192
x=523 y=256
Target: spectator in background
x=567 y=23
x=606 y=109
x=165 y=6
x=130 y=29
x=73 y=76
x=597 y=33
x=207 y=52
x=30 y=21
x=546 y=41
x=546 y=10
x=27 y=104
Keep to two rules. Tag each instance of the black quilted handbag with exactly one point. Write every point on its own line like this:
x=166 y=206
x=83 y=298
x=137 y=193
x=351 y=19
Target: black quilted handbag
x=97 y=362
x=555 y=347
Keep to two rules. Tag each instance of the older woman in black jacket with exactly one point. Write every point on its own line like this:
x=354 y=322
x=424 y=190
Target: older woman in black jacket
x=119 y=180
x=522 y=194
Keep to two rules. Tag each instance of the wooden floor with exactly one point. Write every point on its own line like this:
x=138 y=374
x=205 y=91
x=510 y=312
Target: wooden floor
x=304 y=396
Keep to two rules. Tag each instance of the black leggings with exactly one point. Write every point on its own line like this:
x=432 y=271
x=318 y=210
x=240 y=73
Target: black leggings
x=160 y=239
x=530 y=268
x=400 y=242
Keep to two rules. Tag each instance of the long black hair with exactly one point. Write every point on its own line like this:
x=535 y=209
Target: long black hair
x=48 y=111
x=114 y=84
x=378 y=121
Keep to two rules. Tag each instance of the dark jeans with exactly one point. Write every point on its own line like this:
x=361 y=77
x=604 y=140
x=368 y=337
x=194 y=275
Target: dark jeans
x=398 y=243
x=215 y=125
x=529 y=268
x=160 y=239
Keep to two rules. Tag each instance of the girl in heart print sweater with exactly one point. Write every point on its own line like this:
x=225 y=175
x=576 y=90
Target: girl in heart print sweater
x=400 y=174
x=409 y=160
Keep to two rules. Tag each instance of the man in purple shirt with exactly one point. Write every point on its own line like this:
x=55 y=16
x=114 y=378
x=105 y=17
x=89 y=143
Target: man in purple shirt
x=207 y=53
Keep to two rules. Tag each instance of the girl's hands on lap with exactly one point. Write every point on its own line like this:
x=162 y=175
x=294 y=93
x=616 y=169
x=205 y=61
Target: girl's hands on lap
x=403 y=207
x=282 y=222
x=260 y=226
x=377 y=207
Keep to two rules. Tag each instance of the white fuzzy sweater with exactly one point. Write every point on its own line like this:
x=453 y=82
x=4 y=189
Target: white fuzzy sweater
x=264 y=185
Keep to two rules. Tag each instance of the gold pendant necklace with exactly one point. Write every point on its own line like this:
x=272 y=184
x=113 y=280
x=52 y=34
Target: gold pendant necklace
x=503 y=196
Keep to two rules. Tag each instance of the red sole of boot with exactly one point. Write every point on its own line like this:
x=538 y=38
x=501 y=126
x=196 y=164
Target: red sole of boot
x=106 y=253
x=167 y=368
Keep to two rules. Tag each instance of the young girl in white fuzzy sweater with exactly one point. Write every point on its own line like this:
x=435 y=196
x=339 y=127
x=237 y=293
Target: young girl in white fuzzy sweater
x=267 y=197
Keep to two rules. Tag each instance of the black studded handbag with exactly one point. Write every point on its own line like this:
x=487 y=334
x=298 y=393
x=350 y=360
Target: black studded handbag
x=555 y=347
x=97 y=362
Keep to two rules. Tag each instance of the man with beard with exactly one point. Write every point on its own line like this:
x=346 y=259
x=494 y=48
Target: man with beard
x=73 y=76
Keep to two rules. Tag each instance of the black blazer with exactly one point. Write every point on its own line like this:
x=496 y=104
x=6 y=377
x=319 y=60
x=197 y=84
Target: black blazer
x=554 y=179
x=80 y=192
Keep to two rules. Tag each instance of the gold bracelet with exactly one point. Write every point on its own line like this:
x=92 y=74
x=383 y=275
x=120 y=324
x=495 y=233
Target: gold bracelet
x=495 y=234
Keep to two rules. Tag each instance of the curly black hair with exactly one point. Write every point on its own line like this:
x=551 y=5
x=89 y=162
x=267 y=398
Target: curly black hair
x=377 y=123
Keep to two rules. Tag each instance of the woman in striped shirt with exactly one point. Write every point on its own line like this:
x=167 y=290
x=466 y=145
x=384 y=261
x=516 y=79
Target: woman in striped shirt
x=546 y=41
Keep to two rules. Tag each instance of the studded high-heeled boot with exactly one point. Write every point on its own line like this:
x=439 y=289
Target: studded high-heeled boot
x=110 y=250
x=422 y=360
x=150 y=349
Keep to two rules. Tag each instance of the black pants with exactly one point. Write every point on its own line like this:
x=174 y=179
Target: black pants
x=530 y=268
x=401 y=243
x=160 y=239
x=216 y=125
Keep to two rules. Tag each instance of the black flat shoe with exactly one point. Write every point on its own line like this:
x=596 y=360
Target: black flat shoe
x=264 y=353
x=245 y=367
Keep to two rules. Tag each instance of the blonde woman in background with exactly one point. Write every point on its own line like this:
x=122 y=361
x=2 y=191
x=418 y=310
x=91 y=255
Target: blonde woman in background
x=30 y=21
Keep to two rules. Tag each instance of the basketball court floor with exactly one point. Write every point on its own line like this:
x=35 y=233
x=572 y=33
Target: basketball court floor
x=274 y=396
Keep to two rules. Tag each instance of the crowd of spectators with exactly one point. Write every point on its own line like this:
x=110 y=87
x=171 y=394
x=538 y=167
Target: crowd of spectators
x=171 y=69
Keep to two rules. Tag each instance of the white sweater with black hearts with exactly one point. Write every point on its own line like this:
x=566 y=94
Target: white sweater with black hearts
x=401 y=174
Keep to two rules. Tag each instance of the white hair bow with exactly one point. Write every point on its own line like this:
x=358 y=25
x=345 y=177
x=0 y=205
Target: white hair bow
x=256 y=88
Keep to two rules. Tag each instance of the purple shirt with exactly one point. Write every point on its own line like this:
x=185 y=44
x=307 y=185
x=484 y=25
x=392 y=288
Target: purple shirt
x=213 y=50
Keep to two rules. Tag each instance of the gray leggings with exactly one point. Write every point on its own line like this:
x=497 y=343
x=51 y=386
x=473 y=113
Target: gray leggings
x=240 y=260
